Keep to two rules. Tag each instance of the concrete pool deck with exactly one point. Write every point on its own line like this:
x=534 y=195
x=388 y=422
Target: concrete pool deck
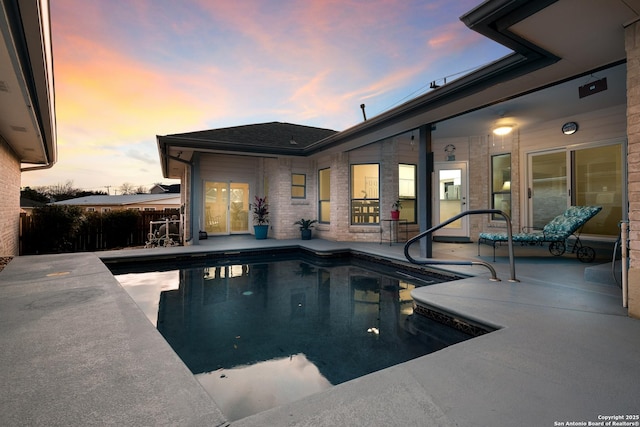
x=75 y=350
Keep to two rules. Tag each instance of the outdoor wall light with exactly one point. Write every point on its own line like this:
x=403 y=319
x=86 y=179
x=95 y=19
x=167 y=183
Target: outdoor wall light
x=503 y=130
x=570 y=128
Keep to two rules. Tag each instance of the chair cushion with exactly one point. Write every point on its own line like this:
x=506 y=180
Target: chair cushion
x=556 y=230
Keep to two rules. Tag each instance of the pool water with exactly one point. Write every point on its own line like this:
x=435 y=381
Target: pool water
x=259 y=335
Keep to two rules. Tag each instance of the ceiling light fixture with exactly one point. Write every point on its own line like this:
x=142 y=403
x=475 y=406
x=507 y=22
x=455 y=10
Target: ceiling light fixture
x=503 y=130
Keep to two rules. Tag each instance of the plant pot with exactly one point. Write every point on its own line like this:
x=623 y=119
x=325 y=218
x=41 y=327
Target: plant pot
x=395 y=214
x=261 y=231
x=305 y=234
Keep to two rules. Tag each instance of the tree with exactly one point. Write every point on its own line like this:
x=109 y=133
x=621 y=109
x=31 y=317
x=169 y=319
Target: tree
x=60 y=191
x=35 y=195
x=127 y=188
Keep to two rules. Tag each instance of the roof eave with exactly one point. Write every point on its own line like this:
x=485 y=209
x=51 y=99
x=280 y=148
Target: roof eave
x=28 y=37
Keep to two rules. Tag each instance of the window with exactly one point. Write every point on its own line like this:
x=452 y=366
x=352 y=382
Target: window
x=365 y=199
x=149 y=209
x=407 y=190
x=298 y=186
x=105 y=210
x=324 y=195
x=91 y=209
x=501 y=184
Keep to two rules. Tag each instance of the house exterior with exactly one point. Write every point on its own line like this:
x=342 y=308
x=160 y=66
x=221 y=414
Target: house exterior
x=27 y=117
x=568 y=98
x=27 y=206
x=165 y=188
x=138 y=202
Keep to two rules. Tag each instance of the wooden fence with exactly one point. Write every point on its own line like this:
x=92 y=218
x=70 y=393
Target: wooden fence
x=92 y=236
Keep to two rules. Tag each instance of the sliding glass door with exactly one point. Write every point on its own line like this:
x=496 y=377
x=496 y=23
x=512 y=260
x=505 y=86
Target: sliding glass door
x=589 y=176
x=548 y=192
x=226 y=207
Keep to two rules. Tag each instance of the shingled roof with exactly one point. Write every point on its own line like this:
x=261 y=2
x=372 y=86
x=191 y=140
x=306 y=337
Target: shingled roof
x=267 y=135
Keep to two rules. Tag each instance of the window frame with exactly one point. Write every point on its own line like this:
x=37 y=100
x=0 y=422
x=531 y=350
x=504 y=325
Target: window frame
x=372 y=204
x=321 y=201
x=499 y=191
x=404 y=200
x=303 y=186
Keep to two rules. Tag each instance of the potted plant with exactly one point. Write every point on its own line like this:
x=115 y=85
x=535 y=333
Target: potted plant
x=305 y=227
x=395 y=209
x=260 y=217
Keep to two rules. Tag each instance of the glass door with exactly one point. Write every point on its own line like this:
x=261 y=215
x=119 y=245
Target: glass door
x=597 y=181
x=547 y=191
x=239 y=207
x=226 y=207
x=584 y=176
x=451 y=191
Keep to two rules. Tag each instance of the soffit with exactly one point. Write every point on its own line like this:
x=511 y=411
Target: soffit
x=26 y=101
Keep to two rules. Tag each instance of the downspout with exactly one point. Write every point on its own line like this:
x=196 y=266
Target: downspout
x=624 y=236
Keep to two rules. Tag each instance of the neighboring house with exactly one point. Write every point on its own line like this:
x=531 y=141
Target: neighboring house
x=163 y=188
x=27 y=117
x=27 y=205
x=568 y=98
x=139 y=202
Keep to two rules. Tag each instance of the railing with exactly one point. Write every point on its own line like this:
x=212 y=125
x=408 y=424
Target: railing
x=431 y=261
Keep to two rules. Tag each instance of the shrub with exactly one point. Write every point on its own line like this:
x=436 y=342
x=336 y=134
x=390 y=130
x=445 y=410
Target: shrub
x=119 y=227
x=55 y=227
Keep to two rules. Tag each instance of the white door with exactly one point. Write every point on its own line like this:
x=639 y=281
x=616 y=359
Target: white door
x=451 y=195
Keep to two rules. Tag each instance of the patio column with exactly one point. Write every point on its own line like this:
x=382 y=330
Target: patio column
x=425 y=188
x=632 y=45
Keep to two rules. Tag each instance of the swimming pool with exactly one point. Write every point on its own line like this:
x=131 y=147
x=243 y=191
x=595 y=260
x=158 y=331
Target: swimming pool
x=258 y=334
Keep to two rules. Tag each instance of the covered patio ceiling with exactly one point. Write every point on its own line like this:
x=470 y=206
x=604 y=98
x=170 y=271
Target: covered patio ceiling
x=543 y=106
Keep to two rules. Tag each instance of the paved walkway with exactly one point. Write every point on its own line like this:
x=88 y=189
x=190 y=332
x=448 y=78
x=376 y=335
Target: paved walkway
x=75 y=350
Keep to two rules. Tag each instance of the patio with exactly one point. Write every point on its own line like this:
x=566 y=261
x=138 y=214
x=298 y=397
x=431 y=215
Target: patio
x=76 y=350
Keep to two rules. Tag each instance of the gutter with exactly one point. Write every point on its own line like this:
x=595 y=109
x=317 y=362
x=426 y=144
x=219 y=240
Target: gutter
x=34 y=16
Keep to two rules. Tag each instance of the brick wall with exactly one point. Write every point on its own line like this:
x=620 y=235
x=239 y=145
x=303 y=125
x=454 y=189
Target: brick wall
x=479 y=192
x=285 y=210
x=340 y=198
x=632 y=42
x=9 y=200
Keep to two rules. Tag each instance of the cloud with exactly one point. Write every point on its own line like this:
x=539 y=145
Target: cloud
x=127 y=71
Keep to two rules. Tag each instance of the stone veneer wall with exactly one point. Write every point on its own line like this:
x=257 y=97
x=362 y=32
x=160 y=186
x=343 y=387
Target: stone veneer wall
x=632 y=44
x=10 y=197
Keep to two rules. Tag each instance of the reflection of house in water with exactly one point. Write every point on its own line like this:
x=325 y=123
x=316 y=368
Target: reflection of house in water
x=339 y=317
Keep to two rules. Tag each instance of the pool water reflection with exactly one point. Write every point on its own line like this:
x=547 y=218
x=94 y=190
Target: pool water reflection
x=264 y=334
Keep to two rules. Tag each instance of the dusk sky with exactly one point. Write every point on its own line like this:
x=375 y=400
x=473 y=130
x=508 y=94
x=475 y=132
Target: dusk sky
x=126 y=71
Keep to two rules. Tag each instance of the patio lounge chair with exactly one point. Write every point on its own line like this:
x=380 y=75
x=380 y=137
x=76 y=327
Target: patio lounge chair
x=556 y=233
